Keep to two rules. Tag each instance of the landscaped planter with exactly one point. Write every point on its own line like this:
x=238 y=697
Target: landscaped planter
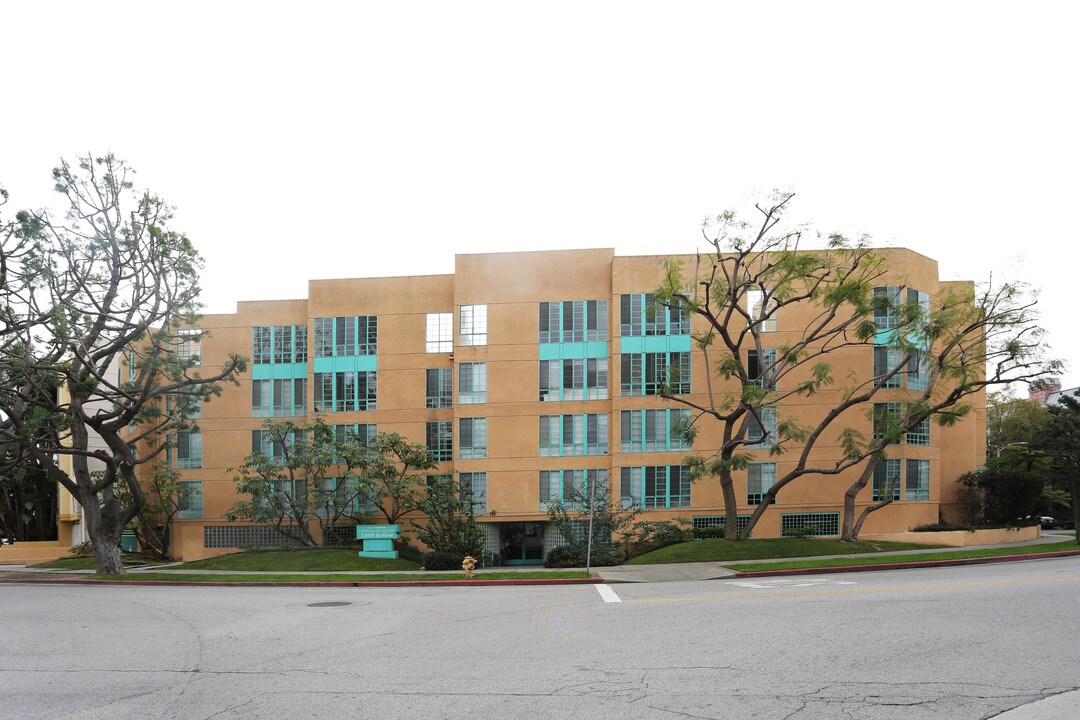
x=961 y=538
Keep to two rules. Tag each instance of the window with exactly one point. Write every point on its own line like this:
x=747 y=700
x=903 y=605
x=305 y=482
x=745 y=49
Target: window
x=440 y=387
x=764 y=314
x=188 y=450
x=562 y=435
x=919 y=302
x=887 y=307
x=918 y=371
x=262 y=442
x=649 y=373
x=656 y=486
x=440 y=333
x=346 y=336
x=826 y=523
x=473 y=485
x=278 y=398
x=762 y=371
x=185 y=404
x=472 y=383
x=574 y=321
x=887 y=419
x=188 y=344
x=584 y=379
x=885 y=361
x=886 y=480
x=440 y=440
x=653 y=430
x=346 y=391
x=472 y=438
x=571 y=487
x=918 y=480
x=353 y=433
x=759 y=478
x=640 y=314
x=189 y=500
x=278 y=344
x=339 y=496
x=761 y=428
x=920 y=434
x=704 y=521
x=473 y=324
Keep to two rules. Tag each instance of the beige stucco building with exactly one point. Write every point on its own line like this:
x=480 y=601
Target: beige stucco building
x=527 y=372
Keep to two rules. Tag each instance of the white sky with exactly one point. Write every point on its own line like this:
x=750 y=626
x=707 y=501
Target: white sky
x=315 y=140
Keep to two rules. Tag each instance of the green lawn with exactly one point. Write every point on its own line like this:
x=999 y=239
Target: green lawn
x=725 y=550
x=309 y=560
x=87 y=563
x=1066 y=544
x=403 y=577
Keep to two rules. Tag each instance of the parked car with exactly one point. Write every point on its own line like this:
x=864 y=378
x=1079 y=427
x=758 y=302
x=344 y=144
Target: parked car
x=1046 y=521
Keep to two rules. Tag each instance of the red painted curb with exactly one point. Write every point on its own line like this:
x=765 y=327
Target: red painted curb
x=211 y=583
x=909 y=565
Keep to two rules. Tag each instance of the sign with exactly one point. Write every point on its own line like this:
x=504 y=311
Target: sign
x=378 y=540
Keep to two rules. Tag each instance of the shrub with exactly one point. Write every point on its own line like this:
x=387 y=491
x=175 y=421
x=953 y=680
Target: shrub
x=442 y=560
x=801 y=532
x=83 y=549
x=408 y=552
x=940 y=527
x=573 y=556
x=713 y=531
x=489 y=559
x=659 y=533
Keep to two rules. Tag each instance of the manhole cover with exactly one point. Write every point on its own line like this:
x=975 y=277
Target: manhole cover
x=329 y=604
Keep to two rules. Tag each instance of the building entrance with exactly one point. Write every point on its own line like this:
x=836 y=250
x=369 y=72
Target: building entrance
x=523 y=543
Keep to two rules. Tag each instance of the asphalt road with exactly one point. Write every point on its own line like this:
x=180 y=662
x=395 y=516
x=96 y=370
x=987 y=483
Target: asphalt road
x=954 y=643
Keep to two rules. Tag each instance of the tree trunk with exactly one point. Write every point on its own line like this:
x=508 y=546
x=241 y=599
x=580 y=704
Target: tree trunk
x=865 y=513
x=1076 y=507
x=104 y=525
x=731 y=507
x=850 y=529
x=107 y=557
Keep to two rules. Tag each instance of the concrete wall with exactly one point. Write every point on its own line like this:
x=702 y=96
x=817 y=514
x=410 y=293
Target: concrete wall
x=960 y=538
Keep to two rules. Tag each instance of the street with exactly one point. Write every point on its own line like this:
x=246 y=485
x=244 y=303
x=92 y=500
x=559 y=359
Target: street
x=955 y=643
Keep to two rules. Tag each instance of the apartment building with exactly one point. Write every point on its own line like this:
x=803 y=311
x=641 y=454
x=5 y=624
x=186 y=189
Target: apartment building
x=526 y=373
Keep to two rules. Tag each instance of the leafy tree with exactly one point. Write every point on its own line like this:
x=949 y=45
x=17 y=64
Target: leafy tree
x=755 y=272
x=163 y=499
x=1061 y=442
x=570 y=516
x=1012 y=421
x=110 y=286
x=1004 y=495
x=391 y=472
x=450 y=522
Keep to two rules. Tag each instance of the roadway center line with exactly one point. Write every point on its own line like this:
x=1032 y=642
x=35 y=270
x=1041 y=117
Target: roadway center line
x=861 y=591
x=608 y=594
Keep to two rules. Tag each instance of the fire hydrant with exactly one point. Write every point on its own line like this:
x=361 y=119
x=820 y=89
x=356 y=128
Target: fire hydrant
x=468 y=565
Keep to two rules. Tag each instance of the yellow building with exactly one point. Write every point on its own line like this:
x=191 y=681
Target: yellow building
x=525 y=372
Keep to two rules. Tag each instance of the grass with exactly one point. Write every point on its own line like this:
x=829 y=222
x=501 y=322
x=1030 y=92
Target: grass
x=87 y=563
x=396 y=577
x=1066 y=544
x=308 y=560
x=718 y=550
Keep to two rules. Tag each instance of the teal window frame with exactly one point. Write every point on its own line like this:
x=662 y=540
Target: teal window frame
x=472 y=383
x=760 y=477
x=885 y=359
x=646 y=373
x=887 y=478
x=346 y=391
x=574 y=379
x=189 y=500
x=346 y=336
x=472 y=438
x=572 y=321
x=917 y=480
x=472 y=325
x=573 y=435
x=828 y=523
x=275 y=451
x=758 y=370
x=640 y=316
x=189 y=450
x=571 y=487
x=473 y=485
x=440 y=440
x=278 y=344
x=363 y=432
x=287 y=397
x=652 y=430
x=762 y=430
x=187 y=345
x=440 y=387
x=886 y=303
x=761 y=312
x=655 y=487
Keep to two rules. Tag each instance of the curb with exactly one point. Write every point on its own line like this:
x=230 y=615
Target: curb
x=908 y=565
x=359 y=583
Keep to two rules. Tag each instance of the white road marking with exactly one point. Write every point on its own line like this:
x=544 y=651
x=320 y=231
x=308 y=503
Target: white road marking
x=607 y=593
x=789 y=583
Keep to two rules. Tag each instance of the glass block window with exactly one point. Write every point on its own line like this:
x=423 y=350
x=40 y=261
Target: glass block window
x=278 y=398
x=346 y=336
x=347 y=391
x=188 y=346
x=655 y=486
x=886 y=300
x=584 y=379
x=440 y=440
x=918 y=480
x=885 y=360
x=189 y=504
x=653 y=430
x=473 y=485
x=826 y=523
x=235 y=536
x=571 y=487
x=574 y=321
x=704 y=521
x=761 y=428
x=272 y=344
x=761 y=371
x=640 y=315
x=759 y=478
x=440 y=387
x=262 y=442
x=188 y=450
x=564 y=435
x=440 y=333
x=472 y=438
x=886 y=480
x=472 y=383
x=648 y=373
x=473 y=324
x=760 y=312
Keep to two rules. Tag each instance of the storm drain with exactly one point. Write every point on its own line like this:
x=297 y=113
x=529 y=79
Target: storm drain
x=329 y=604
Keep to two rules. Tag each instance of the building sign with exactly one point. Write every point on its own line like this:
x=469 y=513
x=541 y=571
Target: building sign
x=378 y=540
